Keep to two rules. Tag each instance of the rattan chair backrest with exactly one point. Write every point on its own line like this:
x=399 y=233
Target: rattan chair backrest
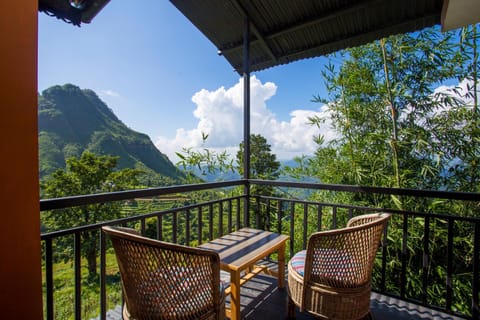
x=162 y=280
x=344 y=258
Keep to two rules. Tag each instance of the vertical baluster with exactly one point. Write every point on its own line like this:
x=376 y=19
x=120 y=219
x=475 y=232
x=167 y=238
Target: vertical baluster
x=220 y=218
x=199 y=226
x=305 y=225
x=49 y=278
x=187 y=227
x=174 y=226
x=384 y=260
x=319 y=217
x=160 y=227
x=230 y=213
x=238 y=214
x=476 y=273
x=449 y=280
x=403 y=274
x=426 y=258
x=210 y=221
x=267 y=216
x=334 y=218
x=292 y=226
x=279 y=214
x=257 y=214
x=78 y=280
x=103 y=287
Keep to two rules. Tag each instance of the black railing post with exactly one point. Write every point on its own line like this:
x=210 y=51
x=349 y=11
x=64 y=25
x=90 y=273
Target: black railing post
x=229 y=218
x=174 y=226
x=292 y=227
x=160 y=227
x=476 y=273
x=384 y=260
x=49 y=278
x=319 y=217
x=78 y=275
x=403 y=275
x=199 y=226
x=220 y=219
x=246 y=118
x=305 y=225
x=426 y=258
x=210 y=218
x=187 y=227
x=449 y=279
x=103 y=287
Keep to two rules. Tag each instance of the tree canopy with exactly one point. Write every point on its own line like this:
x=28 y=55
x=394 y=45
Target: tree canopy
x=88 y=174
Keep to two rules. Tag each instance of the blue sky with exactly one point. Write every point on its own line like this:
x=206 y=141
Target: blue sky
x=162 y=77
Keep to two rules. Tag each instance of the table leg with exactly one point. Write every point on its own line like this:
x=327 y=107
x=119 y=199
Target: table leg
x=235 y=295
x=281 y=266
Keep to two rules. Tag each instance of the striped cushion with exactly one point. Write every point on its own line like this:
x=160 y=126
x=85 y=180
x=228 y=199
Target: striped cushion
x=298 y=262
x=328 y=260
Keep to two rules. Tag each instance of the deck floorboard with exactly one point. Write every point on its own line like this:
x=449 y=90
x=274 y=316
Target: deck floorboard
x=261 y=299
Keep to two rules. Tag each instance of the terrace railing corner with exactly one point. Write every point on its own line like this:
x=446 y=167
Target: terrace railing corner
x=411 y=240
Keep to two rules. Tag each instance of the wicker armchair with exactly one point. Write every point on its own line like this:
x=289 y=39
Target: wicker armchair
x=332 y=278
x=166 y=281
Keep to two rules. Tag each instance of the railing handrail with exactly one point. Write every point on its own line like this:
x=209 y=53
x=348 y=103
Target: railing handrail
x=453 y=195
x=119 y=221
x=375 y=209
x=73 y=201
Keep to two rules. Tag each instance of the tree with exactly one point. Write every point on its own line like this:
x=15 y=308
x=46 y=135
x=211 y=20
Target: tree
x=263 y=165
x=396 y=130
x=380 y=98
x=88 y=174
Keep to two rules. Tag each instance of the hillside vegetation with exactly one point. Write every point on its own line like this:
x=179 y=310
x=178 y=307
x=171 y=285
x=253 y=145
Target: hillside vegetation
x=72 y=120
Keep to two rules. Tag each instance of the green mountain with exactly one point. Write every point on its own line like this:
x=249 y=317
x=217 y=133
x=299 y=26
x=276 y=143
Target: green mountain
x=72 y=120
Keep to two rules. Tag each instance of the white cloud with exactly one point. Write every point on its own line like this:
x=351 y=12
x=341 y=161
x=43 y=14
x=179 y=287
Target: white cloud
x=220 y=115
x=109 y=93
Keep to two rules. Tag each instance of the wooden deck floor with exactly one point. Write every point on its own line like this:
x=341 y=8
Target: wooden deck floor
x=262 y=300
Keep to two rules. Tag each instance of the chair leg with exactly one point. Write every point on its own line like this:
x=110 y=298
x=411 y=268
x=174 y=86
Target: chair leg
x=290 y=308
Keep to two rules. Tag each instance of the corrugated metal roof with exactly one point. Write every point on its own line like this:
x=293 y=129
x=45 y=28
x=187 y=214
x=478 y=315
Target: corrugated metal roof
x=283 y=31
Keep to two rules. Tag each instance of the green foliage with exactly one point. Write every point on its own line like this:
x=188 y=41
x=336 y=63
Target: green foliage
x=64 y=287
x=263 y=163
x=395 y=130
x=72 y=120
x=88 y=174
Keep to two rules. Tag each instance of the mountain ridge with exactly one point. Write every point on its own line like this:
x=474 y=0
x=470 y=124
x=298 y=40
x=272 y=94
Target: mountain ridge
x=72 y=120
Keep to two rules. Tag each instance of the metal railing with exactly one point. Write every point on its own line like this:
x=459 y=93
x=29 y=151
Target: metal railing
x=412 y=239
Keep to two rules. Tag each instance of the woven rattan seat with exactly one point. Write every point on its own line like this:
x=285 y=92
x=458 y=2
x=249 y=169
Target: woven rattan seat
x=333 y=281
x=162 y=280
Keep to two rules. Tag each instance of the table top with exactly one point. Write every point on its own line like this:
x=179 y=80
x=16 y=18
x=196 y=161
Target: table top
x=242 y=248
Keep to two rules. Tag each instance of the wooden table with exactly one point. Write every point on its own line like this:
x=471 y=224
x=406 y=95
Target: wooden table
x=240 y=251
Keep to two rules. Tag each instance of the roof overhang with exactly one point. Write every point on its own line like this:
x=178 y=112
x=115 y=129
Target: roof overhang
x=80 y=11
x=283 y=31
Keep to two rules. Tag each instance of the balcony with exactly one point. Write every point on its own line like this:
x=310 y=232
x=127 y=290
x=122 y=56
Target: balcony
x=427 y=265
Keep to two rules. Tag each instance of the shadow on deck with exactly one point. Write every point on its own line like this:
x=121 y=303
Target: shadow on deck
x=262 y=299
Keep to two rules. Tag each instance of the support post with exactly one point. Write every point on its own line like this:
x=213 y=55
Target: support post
x=246 y=119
